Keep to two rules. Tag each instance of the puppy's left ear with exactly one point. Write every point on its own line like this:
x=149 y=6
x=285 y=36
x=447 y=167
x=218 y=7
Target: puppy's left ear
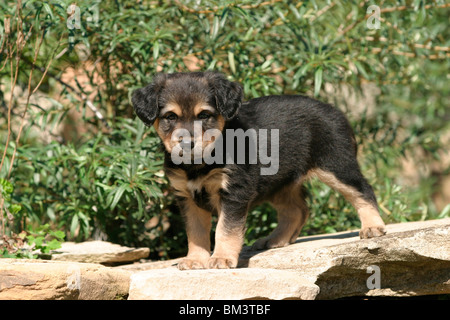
x=228 y=95
x=145 y=100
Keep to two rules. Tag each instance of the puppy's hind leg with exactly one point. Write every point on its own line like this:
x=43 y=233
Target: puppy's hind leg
x=354 y=187
x=292 y=214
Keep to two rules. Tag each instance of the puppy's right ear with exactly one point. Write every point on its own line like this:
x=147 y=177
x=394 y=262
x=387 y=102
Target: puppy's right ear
x=145 y=100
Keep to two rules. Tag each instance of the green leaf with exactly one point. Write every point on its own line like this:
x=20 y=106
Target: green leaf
x=215 y=28
x=52 y=245
x=266 y=65
x=361 y=70
x=74 y=225
x=155 y=50
x=6 y=187
x=49 y=11
x=60 y=235
x=15 y=208
x=231 y=61
x=117 y=195
x=248 y=34
x=317 y=81
x=445 y=213
x=38 y=241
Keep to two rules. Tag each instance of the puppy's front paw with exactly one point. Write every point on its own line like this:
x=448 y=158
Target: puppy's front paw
x=372 y=232
x=191 y=264
x=222 y=263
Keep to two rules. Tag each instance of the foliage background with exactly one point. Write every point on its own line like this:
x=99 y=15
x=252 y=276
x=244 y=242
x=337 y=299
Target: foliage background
x=74 y=156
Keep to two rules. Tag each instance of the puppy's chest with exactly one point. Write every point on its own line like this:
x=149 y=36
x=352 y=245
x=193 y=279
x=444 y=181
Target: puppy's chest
x=204 y=190
x=201 y=197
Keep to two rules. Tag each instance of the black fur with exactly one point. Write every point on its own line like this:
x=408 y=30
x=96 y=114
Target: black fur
x=228 y=95
x=146 y=100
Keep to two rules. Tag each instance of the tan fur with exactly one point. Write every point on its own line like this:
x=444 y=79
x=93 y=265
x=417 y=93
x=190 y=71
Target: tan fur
x=371 y=222
x=178 y=180
x=172 y=107
x=165 y=140
x=203 y=107
x=198 y=228
x=228 y=246
x=292 y=214
x=220 y=122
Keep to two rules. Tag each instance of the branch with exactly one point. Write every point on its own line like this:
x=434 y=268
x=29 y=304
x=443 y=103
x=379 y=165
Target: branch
x=22 y=122
x=81 y=96
x=14 y=76
x=402 y=8
x=415 y=45
x=215 y=9
x=322 y=11
x=395 y=52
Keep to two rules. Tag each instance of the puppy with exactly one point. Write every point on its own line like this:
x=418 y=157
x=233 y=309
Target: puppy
x=196 y=113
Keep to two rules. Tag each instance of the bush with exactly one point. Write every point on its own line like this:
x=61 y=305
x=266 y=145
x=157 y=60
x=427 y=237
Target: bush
x=104 y=179
x=112 y=186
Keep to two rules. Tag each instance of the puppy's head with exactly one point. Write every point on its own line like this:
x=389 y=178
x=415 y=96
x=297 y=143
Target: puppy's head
x=180 y=103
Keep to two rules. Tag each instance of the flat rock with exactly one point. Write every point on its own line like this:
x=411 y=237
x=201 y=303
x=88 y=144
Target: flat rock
x=412 y=259
x=98 y=252
x=150 y=265
x=233 y=284
x=55 y=280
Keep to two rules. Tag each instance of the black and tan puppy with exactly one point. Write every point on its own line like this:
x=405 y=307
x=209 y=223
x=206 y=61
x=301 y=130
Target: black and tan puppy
x=287 y=139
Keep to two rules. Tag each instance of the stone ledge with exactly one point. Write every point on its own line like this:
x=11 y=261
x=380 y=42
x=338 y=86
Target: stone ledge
x=233 y=284
x=98 y=252
x=414 y=259
x=54 y=280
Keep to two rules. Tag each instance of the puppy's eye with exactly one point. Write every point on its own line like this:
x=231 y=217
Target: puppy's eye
x=204 y=115
x=170 y=116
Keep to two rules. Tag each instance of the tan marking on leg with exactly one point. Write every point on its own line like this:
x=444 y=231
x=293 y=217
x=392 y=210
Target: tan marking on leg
x=292 y=215
x=198 y=229
x=371 y=223
x=198 y=223
x=228 y=246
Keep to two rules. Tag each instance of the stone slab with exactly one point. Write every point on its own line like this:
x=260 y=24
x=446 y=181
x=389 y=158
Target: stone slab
x=413 y=259
x=231 y=284
x=54 y=280
x=98 y=252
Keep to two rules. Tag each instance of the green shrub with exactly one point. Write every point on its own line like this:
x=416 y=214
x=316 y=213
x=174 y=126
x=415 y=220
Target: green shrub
x=110 y=186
